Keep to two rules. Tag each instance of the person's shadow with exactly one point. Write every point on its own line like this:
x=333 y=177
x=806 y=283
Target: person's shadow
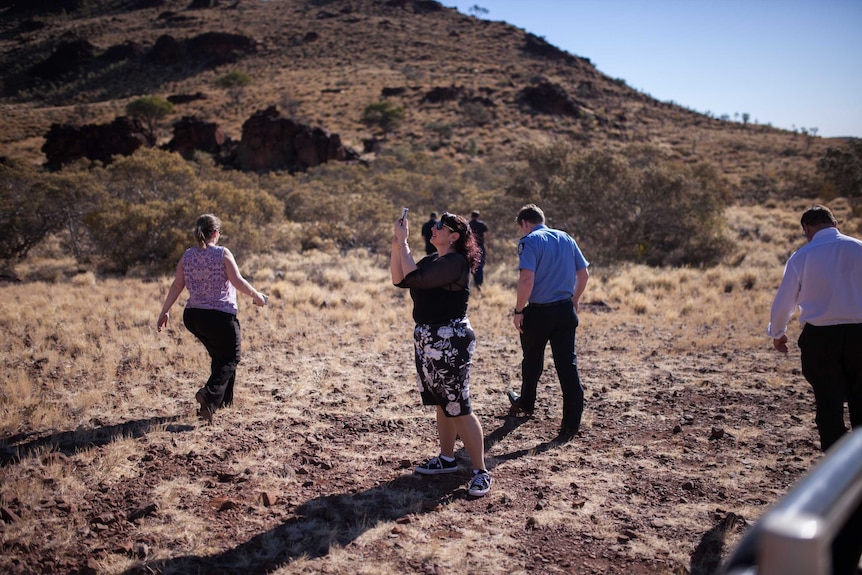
x=510 y=424
x=336 y=520
x=25 y=445
x=319 y=525
x=706 y=558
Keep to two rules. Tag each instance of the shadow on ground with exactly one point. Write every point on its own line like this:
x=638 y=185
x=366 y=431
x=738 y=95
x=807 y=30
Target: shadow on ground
x=510 y=424
x=319 y=525
x=335 y=520
x=22 y=446
x=706 y=559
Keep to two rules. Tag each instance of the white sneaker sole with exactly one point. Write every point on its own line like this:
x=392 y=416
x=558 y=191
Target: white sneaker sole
x=424 y=471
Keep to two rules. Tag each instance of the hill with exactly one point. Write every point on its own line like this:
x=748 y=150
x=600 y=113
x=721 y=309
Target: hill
x=470 y=88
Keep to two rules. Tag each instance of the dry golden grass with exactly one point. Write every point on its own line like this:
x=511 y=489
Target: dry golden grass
x=96 y=421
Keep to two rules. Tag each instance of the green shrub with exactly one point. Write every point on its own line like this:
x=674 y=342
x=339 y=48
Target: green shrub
x=383 y=115
x=235 y=84
x=28 y=211
x=841 y=166
x=154 y=200
x=150 y=109
x=35 y=204
x=636 y=205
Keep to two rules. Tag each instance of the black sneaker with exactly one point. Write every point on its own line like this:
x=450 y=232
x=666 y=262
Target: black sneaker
x=436 y=466
x=515 y=405
x=480 y=484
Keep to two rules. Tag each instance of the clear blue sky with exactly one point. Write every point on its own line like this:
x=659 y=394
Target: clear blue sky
x=788 y=63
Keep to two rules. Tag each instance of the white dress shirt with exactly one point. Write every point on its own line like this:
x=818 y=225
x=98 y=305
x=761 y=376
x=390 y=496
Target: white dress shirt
x=824 y=278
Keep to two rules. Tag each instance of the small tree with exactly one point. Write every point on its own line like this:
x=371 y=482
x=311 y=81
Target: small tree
x=234 y=83
x=28 y=211
x=637 y=204
x=384 y=115
x=841 y=166
x=477 y=11
x=149 y=109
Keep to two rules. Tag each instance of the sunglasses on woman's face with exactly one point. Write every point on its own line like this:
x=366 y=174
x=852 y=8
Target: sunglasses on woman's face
x=440 y=225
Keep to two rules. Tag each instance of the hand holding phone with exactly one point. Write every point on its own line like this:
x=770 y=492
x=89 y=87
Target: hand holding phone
x=401 y=226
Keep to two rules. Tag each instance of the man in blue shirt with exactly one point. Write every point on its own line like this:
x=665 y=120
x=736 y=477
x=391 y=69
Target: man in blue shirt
x=553 y=275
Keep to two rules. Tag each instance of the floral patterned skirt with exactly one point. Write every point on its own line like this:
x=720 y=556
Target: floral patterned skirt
x=444 y=354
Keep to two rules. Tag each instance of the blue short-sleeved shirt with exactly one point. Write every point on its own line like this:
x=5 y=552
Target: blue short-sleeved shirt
x=555 y=258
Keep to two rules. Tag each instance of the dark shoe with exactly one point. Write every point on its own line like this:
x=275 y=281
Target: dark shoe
x=436 y=466
x=205 y=412
x=515 y=408
x=567 y=433
x=480 y=484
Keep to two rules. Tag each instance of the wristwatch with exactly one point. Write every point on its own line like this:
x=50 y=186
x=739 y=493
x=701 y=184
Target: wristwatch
x=516 y=311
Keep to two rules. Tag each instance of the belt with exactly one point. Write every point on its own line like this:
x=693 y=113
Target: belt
x=552 y=304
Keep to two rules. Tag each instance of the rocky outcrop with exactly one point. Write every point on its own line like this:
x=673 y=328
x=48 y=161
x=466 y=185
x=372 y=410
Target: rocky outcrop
x=191 y=134
x=549 y=98
x=221 y=47
x=388 y=92
x=65 y=144
x=203 y=4
x=43 y=6
x=419 y=6
x=67 y=57
x=128 y=50
x=186 y=98
x=213 y=47
x=540 y=48
x=443 y=94
x=167 y=50
x=271 y=142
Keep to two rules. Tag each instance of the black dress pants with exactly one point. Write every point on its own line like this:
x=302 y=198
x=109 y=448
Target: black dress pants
x=832 y=364
x=220 y=333
x=555 y=323
x=479 y=274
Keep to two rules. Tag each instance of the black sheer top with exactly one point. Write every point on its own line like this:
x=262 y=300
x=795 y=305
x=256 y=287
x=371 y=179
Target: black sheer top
x=439 y=288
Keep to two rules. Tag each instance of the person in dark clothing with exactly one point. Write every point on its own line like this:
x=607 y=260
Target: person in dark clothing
x=212 y=276
x=427 y=228
x=480 y=232
x=823 y=279
x=444 y=340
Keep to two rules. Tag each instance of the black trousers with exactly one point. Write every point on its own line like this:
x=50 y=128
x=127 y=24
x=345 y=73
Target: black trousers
x=847 y=546
x=479 y=274
x=220 y=333
x=832 y=364
x=555 y=323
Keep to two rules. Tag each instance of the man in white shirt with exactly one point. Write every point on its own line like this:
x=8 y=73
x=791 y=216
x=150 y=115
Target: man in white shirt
x=824 y=279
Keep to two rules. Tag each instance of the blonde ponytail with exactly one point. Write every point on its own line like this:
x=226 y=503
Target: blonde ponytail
x=205 y=227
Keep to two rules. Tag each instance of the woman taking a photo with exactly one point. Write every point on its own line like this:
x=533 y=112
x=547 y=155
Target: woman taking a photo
x=443 y=338
x=212 y=277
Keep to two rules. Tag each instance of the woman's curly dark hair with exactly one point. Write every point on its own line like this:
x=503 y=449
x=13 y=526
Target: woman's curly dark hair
x=466 y=244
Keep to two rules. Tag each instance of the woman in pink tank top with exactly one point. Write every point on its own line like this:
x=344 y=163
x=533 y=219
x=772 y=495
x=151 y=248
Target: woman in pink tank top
x=212 y=277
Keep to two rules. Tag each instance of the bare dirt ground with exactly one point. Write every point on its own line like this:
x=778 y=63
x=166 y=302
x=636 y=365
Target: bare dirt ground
x=693 y=427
